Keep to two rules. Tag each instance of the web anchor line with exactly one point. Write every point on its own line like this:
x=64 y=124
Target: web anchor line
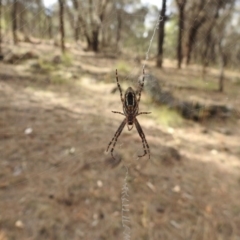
x=125 y=208
x=160 y=18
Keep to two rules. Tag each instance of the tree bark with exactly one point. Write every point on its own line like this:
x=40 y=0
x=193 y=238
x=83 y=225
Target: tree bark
x=39 y=25
x=222 y=63
x=95 y=29
x=208 y=39
x=119 y=27
x=205 y=57
x=191 y=39
x=14 y=21
x=77 y=28
x=77 y=20
x=161 y=35
x=21 y=18
x=181 y=5
x=61 y=22
x=49 y=19
x=95 y=42
x=197 y=23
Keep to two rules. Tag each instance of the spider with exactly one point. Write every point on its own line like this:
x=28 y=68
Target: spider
x=130 y=103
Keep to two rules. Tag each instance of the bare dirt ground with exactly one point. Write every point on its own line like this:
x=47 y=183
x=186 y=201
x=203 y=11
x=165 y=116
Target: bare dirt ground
x=54 y=180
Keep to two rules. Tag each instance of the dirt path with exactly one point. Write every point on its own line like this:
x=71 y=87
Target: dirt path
x=55 y=184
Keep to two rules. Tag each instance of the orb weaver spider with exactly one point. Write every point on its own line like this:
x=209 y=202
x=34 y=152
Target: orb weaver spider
x=130 y=103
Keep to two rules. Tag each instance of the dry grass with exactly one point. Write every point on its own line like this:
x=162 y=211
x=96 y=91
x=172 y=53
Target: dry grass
x=49 y=178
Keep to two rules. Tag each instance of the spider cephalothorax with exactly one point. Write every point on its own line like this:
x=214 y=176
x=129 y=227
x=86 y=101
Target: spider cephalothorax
x=130 y=111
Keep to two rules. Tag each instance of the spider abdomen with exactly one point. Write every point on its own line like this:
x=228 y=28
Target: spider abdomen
x=130 y=98
x=130 y=106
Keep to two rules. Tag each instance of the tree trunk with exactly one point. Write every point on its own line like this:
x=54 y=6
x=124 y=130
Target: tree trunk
x=95 y=29
x=61 y=22
x=95 y=41
x=192 y=36
x=21 y=18
x=76 y=20
x=208 y=40
x=181 y=5
x=77 y=28
x=40 y=17
x=119 y=27
x=14 y=21
x=221 y=65
x=161 y=35
x=205 y=57
x=49 y=26
x=81 y=20
x=191 y=39
x=89 y=42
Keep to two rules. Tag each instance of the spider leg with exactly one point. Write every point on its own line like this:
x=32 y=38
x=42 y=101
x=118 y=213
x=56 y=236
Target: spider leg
x=143 y=113
x=119 y=87
x=116 y=135
x=141 y=87
x=144 y=141
x=118 y=113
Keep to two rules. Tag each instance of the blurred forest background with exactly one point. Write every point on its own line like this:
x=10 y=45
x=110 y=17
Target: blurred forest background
x=202 y=32
x=57 y=91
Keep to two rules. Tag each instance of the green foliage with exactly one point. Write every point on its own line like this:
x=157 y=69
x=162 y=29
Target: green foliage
x=170 y=42
x=46 y=66
x=43 y=66
x=123 y=67
x=167 y=117
x=133 y=29
x=67 y=59
x=4 y=24
x=206 y=85
x=237 y=81
x=58 y=79
x=53 y=70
